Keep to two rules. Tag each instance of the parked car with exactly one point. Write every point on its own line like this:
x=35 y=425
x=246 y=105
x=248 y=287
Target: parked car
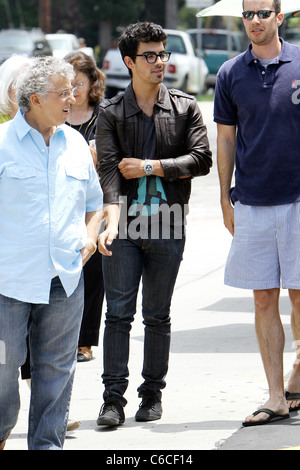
x=116 y=72
x=292 y=35
x=63 y=43
x=17 y=41
x=216 y=46
x=184 y=71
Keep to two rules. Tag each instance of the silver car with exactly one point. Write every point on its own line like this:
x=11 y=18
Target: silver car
x=185 y=70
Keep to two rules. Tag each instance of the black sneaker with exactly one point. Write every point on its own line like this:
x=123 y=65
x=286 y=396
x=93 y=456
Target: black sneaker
x=111 y=414
x=150 y=409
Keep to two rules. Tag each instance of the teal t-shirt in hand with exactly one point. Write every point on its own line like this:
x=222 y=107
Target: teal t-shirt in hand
x=150 y=193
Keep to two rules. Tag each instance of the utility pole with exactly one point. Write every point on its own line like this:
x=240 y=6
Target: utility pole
x=20 y=14
x=8 y=14
x=45 y=15
x=171 y=14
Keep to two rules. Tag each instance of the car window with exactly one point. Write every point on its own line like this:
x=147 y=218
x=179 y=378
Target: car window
x=292 y=34
x=59 y=44
x=233 y=44
x=193 y=43
x=176 y=44
x=214 y=41
x=75 y=44
x=19 y=43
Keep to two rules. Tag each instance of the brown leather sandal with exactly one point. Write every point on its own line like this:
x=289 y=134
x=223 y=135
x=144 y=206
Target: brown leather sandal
x=84 y=354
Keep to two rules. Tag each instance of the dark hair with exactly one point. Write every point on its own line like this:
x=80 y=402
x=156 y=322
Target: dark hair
x=277 y=6
x=85 y=64
x=139 y=32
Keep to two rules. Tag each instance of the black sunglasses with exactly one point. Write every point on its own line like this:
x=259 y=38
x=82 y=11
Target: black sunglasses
x=262 y=14
x=151 y=57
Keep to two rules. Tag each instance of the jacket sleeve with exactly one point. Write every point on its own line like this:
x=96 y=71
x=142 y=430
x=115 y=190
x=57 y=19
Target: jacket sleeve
x=109 y=157
x=197 y=160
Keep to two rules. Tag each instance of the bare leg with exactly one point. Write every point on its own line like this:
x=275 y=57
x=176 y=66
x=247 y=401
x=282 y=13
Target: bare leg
x=294 y=382
x=270 y=335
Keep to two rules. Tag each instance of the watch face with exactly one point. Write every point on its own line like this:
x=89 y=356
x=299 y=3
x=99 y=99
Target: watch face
x=148 y=168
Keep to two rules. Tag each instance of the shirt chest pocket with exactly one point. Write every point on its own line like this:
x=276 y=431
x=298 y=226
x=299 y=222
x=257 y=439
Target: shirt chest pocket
x=20 y=172
x=78 y=173
x=76 y=178
x=20 y=181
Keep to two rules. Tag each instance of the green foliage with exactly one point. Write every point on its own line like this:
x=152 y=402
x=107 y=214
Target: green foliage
x=119 y=12
x=18 y=13
x=82 y=17
x=187 y=18
x=115 y=10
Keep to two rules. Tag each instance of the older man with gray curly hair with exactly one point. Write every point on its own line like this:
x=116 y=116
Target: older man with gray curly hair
x=50 y=205
x=39 y=79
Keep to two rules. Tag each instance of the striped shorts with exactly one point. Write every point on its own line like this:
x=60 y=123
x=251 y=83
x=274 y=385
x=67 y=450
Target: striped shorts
x=265 y=251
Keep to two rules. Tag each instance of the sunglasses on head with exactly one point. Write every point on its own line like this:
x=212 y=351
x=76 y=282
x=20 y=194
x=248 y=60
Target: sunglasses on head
x=262 y=14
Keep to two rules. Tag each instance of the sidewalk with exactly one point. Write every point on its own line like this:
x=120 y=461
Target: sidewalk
x=215 y=376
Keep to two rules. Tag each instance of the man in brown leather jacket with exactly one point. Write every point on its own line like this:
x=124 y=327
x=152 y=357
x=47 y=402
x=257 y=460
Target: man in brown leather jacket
x=150 y=142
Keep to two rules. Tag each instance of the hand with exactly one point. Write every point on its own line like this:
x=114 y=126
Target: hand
x=105 y=239
x=131 y=168
x=94 y=155
x=228 y=216
x=87 y=252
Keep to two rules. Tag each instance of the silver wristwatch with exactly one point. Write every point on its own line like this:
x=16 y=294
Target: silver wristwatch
x=148 y=168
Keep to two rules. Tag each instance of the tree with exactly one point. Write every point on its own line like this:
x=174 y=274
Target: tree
x=102 y=17
x=108 y=17
x=163 y=12
x=171 y=14
x=98 y=21
x=18 y=13
x=45 y=15
x=67 y=16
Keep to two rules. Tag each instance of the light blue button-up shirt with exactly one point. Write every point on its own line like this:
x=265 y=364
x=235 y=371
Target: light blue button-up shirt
x=45 y=193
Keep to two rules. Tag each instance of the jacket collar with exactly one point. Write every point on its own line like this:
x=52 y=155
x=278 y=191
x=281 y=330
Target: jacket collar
x=131 y=106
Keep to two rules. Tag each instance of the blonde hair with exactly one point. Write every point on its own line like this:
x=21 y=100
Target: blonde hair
x=9 y=72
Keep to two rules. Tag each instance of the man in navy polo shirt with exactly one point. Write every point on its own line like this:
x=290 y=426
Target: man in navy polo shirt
x=257 y=109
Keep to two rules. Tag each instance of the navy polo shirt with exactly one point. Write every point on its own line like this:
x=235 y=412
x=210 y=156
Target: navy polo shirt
x=264 y=104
